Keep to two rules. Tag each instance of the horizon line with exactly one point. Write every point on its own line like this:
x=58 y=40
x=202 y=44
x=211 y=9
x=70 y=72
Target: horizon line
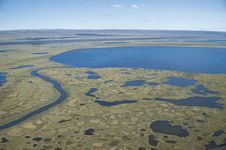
x=87 y=29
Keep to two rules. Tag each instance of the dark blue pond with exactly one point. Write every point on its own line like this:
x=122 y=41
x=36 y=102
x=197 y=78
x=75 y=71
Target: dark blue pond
x=166 y=128
x=2 y=78
x=181 y=82
x=209 y=102
x=185 y=59
x=114 y=103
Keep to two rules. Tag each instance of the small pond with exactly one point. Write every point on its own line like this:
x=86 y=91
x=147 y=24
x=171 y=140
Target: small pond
x=165 y=127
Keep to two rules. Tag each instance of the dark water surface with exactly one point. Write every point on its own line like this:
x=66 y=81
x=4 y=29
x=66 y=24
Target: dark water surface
x=218 y=133
x=209 y=102
x=185 y=59
x=166 y=128
x=39 y=53
x=114 y=103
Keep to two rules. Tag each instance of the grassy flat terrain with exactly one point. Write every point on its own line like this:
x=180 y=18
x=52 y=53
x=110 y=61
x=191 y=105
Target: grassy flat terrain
x=83 y=123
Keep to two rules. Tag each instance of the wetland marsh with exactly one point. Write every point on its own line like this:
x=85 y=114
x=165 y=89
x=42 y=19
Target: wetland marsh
x=91 y=94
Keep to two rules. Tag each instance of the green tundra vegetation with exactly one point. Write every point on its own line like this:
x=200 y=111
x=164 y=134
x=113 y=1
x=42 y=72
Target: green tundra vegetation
x=107 y=108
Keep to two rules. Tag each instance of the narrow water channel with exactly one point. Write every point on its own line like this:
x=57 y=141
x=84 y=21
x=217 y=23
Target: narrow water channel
x=60 y=99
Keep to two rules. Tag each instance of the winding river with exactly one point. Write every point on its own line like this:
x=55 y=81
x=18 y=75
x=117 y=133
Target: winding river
x=60 y=99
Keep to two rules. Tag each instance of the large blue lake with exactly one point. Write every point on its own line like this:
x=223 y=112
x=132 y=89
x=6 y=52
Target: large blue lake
x=185 y=59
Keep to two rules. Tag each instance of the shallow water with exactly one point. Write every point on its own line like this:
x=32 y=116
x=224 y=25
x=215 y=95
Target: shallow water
x=185 y=59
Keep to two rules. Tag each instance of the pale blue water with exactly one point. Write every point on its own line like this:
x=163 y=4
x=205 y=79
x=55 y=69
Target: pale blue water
x=185 y=59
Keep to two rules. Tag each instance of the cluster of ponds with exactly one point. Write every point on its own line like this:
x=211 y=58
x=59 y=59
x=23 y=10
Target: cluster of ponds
x=186 y=59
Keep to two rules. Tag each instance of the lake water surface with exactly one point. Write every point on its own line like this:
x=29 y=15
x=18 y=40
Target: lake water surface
x=185 y=59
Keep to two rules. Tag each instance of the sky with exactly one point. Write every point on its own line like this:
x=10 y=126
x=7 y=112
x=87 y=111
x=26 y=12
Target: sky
x=207 y=15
